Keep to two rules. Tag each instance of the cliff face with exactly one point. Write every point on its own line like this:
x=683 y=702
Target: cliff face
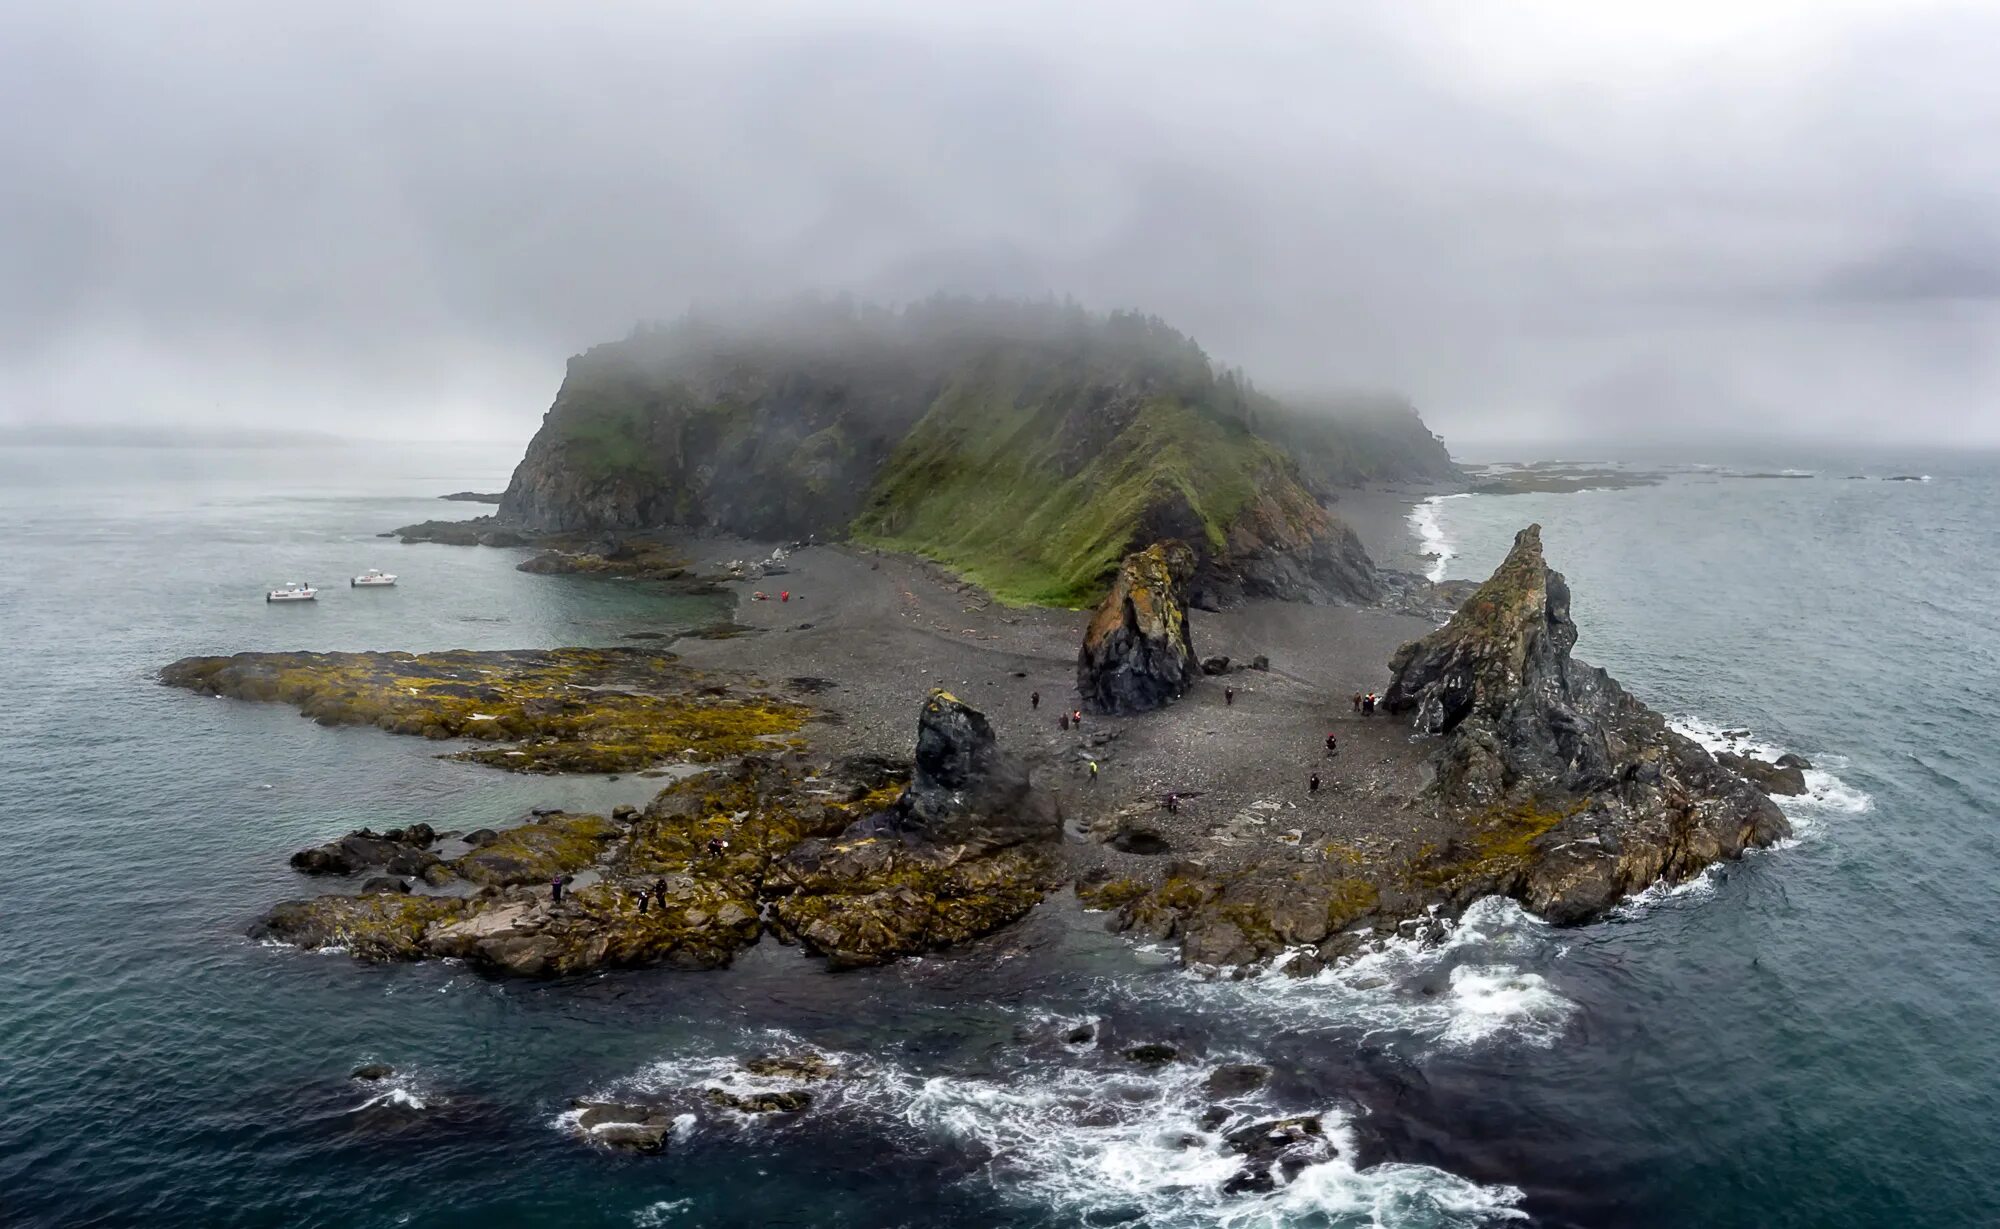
x=1029 y=447
x=1581 y=795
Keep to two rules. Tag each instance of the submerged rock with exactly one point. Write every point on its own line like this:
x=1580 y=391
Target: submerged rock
x=1137 y=653
x=399 y=851
x=1574 y=794
x=633 y=1128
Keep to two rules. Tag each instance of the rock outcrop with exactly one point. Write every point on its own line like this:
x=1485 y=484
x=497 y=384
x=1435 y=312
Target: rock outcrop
x=1576 y=794
x=1137 y=653
x=858 y=861
x=1786 y=777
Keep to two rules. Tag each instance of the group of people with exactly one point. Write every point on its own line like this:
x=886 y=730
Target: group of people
x=715 y=848
x=1365 y=704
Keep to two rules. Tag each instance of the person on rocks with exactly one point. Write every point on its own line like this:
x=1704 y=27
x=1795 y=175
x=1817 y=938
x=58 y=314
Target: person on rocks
x=1173 y=803
x=660 y=892
x=1062 y=722
x=1332 y=744
x=644 y=899
x=1034 y=699
x=1076 y=718
x=1368 y=705
x=1229 y=697
x=555 y=890
x=716 y=845
x=1312 y=784
x=1093 y=772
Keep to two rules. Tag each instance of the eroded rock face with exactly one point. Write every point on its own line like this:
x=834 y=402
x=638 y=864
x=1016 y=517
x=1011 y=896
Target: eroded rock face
x=1575 y=793
x=1782 y=778
x=1137 y=654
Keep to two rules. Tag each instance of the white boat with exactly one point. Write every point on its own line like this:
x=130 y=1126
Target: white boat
x=297 y=591
x=373 y=578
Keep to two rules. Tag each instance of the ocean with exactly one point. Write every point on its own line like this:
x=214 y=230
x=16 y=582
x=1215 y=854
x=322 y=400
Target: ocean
x=1809 y=1037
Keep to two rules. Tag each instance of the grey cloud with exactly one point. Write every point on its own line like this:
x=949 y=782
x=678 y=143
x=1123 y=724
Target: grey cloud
x=375 y=215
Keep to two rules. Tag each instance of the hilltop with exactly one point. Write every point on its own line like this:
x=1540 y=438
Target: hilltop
x=1027 y=446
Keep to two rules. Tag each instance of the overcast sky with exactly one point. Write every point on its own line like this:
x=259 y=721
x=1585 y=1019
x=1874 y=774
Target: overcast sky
x=1538 y=220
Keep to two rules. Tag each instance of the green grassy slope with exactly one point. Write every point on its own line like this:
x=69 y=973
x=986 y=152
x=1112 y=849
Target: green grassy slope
x=996 y=483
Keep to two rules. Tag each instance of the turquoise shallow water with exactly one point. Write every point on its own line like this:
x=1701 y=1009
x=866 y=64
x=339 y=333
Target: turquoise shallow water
x=1809 y=1038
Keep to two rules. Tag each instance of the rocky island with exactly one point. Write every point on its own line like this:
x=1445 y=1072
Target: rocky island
x=982 y=507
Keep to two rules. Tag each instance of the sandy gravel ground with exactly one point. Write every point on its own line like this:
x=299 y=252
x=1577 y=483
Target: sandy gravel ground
x=884 y=630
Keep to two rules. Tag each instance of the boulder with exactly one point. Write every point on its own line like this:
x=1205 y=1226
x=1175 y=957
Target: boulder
x=1152 y=1053
x=1572 y=793
x=1260 y=662
x=1137 y=653
x=1215 y=665
x=1271 y=1150
x=371 y=1072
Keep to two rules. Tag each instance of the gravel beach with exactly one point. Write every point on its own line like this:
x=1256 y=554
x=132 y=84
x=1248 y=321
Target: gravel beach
x=864 y=637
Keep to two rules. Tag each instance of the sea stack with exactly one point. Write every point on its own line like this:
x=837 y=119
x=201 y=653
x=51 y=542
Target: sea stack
x=1603 y=797
x=1137 y=654
x=964 y=790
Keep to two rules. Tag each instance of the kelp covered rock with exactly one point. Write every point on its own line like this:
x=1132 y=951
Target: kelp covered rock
x=548 y=710
x=1137 y=653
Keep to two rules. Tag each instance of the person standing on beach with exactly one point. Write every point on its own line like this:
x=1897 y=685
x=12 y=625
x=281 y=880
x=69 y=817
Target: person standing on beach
x=1357 y=701
x=1034 y=699
x=1229 y=697
x=1076 y=718
x=1093 y=772
x=1312 y=784
x=1332 y=744
x=1062 y=722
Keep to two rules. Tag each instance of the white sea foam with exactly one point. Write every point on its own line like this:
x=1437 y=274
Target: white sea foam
x=1468 y=990
x=664 y=1212
x=1826 y=793
x=1068 y=1131
x=1424 y=519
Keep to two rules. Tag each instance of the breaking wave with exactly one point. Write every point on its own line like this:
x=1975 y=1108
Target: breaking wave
x=1099 y=1139
x=1424 y=519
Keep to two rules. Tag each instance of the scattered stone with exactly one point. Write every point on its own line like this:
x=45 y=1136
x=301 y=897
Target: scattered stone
x=1260 y=662
x=1215 y=665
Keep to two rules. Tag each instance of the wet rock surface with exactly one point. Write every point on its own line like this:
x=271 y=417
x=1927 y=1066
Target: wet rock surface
x=1138 y=654
x=1786 y=777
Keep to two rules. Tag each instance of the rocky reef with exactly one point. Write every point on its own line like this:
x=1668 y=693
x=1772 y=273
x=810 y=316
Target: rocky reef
x=860 y=861
x=1547 y=783
x=546 y=710
x=1137 y=653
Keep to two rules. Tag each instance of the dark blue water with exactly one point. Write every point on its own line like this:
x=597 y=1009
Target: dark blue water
x=1811 y=1037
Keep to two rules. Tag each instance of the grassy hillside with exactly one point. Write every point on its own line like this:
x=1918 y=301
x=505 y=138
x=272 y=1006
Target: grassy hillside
x=996 y=483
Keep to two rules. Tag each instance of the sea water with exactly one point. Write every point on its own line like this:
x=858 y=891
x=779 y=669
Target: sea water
x=1809 y=1037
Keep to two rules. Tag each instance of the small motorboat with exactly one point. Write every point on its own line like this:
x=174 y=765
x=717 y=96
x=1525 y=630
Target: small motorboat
x=373 y=578
x=297 y=591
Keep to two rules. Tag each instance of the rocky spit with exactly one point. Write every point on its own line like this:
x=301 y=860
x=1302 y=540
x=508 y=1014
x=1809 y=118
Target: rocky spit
x=1499 y=764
